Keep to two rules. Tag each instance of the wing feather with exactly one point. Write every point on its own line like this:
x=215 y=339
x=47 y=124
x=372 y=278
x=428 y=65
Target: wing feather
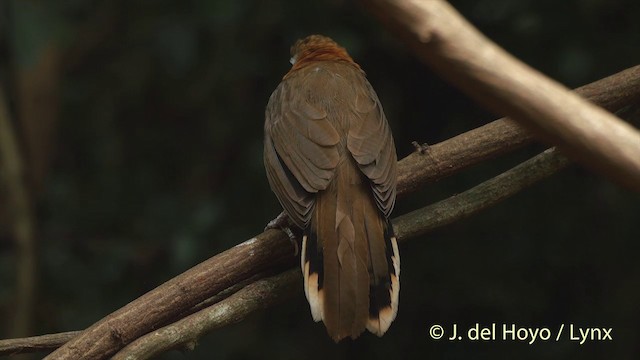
x=371 y=144
x=301 y=143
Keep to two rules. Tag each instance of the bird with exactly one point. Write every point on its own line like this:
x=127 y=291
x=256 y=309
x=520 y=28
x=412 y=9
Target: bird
x=331 y=161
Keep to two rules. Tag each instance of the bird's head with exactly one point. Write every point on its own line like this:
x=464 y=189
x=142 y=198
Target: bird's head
x=317 y=48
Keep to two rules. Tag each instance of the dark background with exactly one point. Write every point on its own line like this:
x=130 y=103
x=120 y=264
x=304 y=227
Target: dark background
x=151 y=162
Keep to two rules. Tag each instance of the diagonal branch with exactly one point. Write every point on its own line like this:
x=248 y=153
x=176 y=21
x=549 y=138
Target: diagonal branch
x=480 y=197
x=270 y=248
x=443 y=39
x=259 y=295
x=505 y=135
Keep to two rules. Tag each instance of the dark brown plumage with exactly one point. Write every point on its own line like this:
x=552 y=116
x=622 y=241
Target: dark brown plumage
x=331 y=161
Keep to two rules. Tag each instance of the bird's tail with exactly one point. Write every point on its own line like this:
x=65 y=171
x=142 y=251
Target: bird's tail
x=350 y=260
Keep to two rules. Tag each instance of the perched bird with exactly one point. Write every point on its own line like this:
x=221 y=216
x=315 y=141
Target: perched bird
x=331 y=161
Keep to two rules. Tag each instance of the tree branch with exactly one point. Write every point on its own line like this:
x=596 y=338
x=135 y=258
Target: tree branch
x=270 y=248
x=457 y=51
x=504 y=135
x=480 y=197
x=259 y=295
x=177 y=295
x=54 y=341
x=268 y=292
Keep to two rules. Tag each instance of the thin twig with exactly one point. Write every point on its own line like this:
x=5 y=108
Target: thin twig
x=457 y=51
x=36 y=343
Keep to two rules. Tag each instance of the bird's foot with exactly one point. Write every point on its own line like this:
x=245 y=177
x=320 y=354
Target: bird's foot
x=283 y=223
x=421 y=148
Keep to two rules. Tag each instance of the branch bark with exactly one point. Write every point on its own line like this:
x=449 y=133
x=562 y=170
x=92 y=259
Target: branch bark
x=268 y=249
x=259 y=295
x=457 y=51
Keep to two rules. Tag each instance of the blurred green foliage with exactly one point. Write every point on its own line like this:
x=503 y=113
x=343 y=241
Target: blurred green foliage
x=157 y=165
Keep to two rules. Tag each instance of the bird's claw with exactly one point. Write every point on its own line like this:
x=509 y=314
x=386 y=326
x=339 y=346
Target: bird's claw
x=283 y=223
x=421 y=148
